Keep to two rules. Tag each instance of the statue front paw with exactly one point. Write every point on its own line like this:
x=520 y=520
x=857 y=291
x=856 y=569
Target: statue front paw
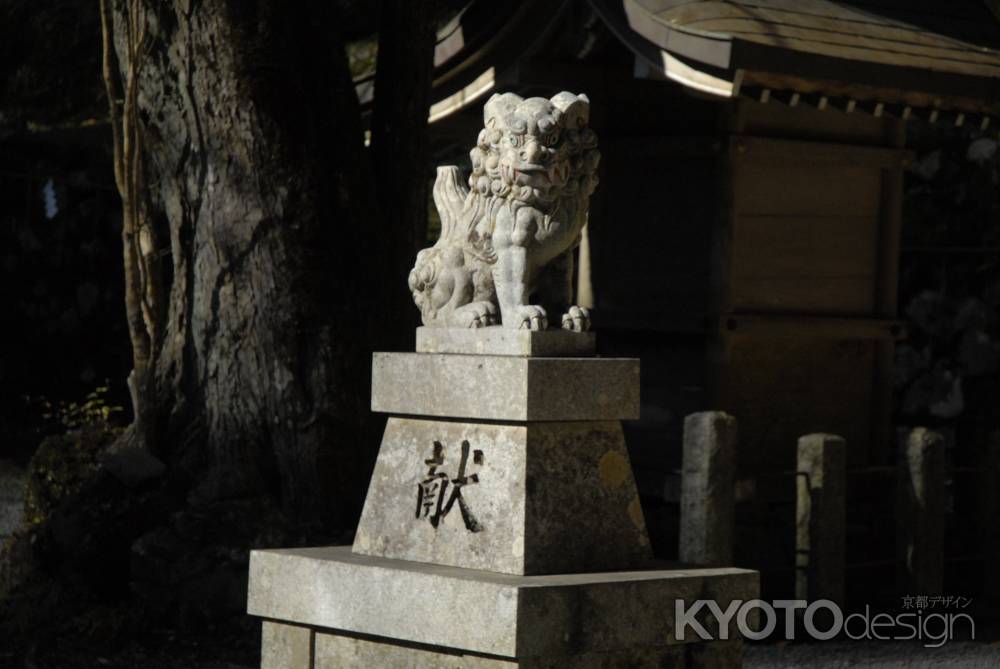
x=529 y=317
x=475 y=315
x=576 y=319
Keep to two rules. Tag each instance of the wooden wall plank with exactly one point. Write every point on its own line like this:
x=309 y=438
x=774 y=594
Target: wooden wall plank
x=778 y=190
x=784 y=152
x=813 y=295
x=806 y=246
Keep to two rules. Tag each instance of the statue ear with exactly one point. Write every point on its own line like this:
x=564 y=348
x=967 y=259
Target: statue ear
x=498 y=106
x=575 y=109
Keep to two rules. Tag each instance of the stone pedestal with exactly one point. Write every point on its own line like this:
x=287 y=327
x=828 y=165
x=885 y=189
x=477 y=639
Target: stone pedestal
x=502 y=526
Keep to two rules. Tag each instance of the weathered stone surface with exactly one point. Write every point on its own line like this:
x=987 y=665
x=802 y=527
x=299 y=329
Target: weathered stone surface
x=820 y=517
x=921 y=511
x=492 y=387
x=534 y=498
x=285 y=646
x=482 y=612
x=988 y=464
x=335 y=651
x=497 y=340
x=707 y=488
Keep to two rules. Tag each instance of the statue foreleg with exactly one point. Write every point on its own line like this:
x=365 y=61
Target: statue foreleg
x=510 y=276
x=555 y=289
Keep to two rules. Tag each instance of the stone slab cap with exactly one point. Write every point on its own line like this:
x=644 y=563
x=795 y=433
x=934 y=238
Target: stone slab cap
x=498 y=340
x=534 y=498
x=485 y=612
x=494 y=387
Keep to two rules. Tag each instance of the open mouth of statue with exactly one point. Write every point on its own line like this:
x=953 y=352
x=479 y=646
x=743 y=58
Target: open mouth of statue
x=530 y=174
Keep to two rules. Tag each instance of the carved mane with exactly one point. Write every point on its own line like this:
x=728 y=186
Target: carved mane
x=489 y=189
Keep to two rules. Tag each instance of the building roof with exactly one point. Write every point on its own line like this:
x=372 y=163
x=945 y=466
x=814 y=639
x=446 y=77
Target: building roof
x=885 y=56
x=923 y=53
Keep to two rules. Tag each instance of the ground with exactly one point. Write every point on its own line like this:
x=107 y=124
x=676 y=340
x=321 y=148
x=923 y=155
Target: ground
x=872 y=655
x=166 y=651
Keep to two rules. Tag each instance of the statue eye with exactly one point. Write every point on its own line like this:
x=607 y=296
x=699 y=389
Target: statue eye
x=516 y=141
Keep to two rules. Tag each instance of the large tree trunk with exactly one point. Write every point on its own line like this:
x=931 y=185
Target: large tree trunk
x=400 y=146
x=252 y=160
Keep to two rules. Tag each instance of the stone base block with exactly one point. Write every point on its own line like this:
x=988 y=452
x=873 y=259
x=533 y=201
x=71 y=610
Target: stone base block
x=335 y=651
x=374 y=612
x=498 y=387
x=286 y=646
x=498 y=340
x=534 y=498
x=294 y=647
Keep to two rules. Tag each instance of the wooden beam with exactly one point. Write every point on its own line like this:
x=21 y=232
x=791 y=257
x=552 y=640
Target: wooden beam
x=827 y=327
x=885 y=93
x=886 y=297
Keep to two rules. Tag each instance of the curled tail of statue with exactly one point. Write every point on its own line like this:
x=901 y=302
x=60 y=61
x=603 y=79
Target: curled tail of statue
x=449 y=198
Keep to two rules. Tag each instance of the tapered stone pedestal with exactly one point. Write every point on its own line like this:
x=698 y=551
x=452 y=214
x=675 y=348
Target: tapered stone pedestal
x=502 y=526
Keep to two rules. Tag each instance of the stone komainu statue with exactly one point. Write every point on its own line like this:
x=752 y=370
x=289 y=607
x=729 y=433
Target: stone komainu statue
x=510 y=236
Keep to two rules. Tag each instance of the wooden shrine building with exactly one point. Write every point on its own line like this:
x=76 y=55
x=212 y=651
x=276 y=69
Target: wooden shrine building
x=744 y=240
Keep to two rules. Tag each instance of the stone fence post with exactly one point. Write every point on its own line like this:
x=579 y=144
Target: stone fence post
x=920 y=509
x=989 y=508
x=708 y=480
x=820 y=518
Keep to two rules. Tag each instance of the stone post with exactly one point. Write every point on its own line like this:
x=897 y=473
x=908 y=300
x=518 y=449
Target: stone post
x=820 y=518
x=708 y=480
x=286 y=646
x=920 y=510
x=989 y=508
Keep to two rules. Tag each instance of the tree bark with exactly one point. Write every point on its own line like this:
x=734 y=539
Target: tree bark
x=254 y=168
